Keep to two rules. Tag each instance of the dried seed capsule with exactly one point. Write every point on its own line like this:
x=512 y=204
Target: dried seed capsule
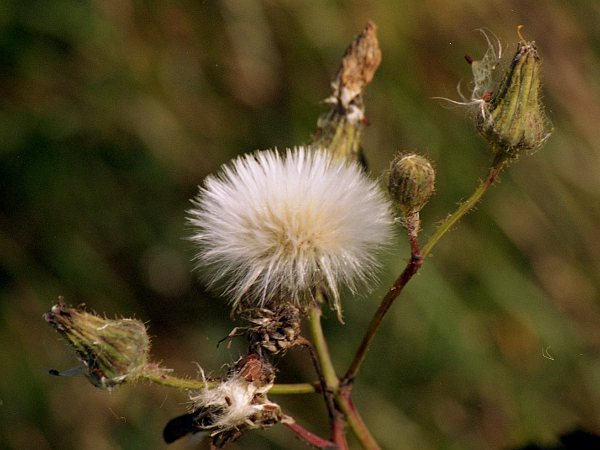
x=411 y=182
x=514 y=120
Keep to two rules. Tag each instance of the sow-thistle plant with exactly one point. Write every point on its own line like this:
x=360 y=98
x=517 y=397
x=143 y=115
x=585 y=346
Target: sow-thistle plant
x=280 y=234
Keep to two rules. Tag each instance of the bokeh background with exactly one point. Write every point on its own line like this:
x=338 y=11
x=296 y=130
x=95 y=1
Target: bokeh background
x=112 y=112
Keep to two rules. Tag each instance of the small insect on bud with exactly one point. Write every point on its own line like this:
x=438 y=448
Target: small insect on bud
x=411 y=182
x=514 y=120
x=112 y=351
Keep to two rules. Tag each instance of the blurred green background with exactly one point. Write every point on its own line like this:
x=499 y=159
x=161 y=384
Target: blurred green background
x=112 y=112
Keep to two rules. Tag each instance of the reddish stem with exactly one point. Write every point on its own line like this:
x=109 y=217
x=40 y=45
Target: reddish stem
x=311 y=438
x=410 y=270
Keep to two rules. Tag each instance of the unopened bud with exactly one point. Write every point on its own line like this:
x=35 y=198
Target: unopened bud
x=112 y=351
x=514 y=120
x=411 y=182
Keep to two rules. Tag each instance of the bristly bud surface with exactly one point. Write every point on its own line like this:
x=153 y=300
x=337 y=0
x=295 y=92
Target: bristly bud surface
x=411 y=182
x=513 y=120
x=112 y=351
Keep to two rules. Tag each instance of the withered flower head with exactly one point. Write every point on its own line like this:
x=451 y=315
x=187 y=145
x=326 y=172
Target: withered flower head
x=513 y=120
x=112 y=351
x=358 y=67
x=237 y=404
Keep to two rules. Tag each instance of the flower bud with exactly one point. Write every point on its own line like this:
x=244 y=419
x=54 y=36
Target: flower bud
x=514 y=119
x=411 y=182
x=112 y=351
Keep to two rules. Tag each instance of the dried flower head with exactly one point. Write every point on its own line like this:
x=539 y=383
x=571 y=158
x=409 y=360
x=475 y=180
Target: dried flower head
x=507 y=99
x=514 y=118
x=112 y=351
x=237 y=404
x=274 y=331
x=275 y=228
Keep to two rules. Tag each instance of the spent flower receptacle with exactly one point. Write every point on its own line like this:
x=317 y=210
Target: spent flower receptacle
x=238 y=403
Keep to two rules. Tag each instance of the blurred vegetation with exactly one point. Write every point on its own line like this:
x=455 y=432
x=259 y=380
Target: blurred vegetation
x=112 y=112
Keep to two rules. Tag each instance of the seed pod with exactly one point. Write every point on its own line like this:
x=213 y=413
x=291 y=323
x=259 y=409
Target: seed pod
x=112 y=351
x=514 y=120
x=411 y=182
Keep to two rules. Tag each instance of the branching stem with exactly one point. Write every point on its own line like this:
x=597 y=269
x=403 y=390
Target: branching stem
x=413 y=266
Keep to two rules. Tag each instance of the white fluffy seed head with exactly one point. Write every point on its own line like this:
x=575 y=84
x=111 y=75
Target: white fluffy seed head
x=273 y=227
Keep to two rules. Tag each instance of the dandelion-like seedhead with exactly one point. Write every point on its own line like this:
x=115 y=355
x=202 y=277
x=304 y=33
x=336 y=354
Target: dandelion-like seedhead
x=273 y=228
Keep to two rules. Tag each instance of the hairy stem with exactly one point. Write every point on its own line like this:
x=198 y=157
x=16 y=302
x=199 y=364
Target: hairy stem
x=462 y=209
x=163 y=378
x=295 y=388
x=413 y=266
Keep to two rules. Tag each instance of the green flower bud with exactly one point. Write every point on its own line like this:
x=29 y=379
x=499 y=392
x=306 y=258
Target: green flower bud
x=513 y=119
x=112 y=351
x=411 y=182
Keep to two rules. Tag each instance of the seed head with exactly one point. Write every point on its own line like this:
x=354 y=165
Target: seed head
x=274 y=228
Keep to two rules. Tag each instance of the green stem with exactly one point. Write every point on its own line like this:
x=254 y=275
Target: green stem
x=321 y=349
x=358 y=427
x=463 y=208
x=163 y=378
x=296 y=388
x=329 y=380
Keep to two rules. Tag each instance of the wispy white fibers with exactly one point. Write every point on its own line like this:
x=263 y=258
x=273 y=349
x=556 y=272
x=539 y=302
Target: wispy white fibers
x=273 y=227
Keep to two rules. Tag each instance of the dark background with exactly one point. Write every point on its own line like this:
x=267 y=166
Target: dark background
x=112 y=112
